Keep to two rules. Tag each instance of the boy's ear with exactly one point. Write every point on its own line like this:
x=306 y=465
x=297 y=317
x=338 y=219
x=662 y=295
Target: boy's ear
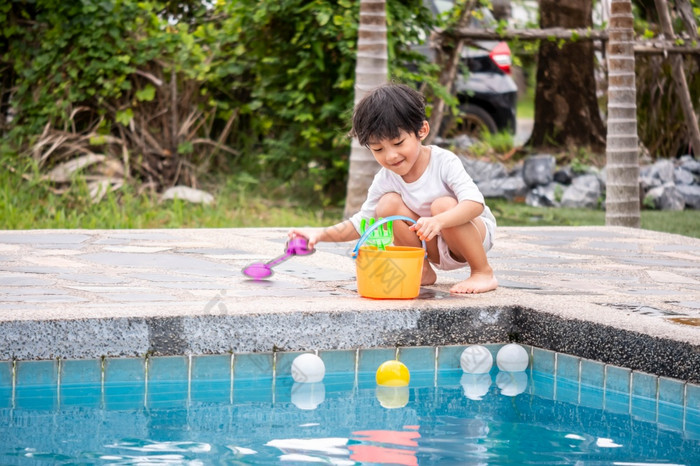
x=424 y=130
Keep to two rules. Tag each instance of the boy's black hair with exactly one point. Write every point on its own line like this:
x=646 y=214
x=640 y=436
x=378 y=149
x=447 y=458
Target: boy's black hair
x=386 y=111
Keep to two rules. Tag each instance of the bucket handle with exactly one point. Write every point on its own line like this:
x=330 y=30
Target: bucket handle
x=376 y=225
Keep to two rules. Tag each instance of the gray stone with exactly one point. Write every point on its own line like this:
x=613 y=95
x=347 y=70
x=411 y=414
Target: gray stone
x=663 y=170
x=666 y=197
x=683 y=176
x=691 y=195
x=185 y=193
x=648 y=182
x=545 y=196
x=481 y=171
x=564 y=175
x=585 y=191
x=539 y=170
x=509 y=188
x=690 y=164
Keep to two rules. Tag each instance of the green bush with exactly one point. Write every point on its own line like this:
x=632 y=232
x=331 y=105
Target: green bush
x=170 y=90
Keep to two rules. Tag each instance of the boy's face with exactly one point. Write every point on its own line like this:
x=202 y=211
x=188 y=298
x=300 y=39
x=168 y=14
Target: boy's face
x=401 y=155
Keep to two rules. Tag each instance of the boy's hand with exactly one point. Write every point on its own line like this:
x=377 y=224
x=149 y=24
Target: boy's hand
x=426 y=228
x=312 y=236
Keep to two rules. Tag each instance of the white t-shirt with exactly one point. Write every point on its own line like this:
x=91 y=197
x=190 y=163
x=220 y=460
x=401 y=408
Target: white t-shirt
x=444 y=176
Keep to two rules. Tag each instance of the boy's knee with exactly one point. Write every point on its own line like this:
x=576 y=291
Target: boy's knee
x=442 y=204
x=389 y=204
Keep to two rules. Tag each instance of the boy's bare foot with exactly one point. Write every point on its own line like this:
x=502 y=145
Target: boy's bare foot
x=428 y=276
x=477 y=283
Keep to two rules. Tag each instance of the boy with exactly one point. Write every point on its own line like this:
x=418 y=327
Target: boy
x=426 y=183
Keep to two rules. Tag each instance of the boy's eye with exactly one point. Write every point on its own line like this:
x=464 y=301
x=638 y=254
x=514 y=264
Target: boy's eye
x=399 y=143
x=378 y=149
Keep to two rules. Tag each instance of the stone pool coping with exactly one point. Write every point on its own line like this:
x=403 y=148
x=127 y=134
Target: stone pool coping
x=621 y=296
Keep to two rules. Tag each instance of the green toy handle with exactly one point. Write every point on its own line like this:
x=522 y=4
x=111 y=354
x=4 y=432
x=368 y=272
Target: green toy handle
x=376 y=225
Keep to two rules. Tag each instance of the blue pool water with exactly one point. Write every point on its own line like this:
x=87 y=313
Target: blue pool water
x=214 y=414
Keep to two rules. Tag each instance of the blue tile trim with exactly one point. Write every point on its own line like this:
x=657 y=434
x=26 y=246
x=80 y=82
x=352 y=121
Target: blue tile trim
x=5 y=374
x=81 y=371
x=419 y=358
x=253 y=365
x=617 y=379
x=543 y=360
x=644 y=385
x=284 y=360
x=339 y=360
x=671 y=391
x=448 y=356
x=371 y=359
x=211 y=367
x=129 y=370
x=592 y=373
x=692 y=396
x=168 y=368
x=30 y=373
x=568 y=367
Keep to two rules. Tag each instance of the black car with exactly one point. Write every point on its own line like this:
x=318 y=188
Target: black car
x=487 y=95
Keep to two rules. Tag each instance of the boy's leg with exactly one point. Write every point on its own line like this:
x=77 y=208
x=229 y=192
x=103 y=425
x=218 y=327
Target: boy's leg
x=466 y=244
x=392 y=204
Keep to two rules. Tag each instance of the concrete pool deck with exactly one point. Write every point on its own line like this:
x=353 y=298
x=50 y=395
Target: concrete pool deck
x=621 y=296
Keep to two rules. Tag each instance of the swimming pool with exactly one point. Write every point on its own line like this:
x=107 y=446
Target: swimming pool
x=246 y=408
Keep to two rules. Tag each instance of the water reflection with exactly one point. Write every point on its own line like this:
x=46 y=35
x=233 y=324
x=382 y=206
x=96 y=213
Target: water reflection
x=475 y=386
x=308 y=396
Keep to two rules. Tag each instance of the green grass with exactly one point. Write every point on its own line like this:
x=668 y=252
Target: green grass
x=30 y=204
x=525 y=108
x=685 y=223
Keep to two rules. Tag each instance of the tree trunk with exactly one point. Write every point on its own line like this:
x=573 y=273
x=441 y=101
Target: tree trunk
x=449 y=60
x=682 y=91
x=566 y=107
x=622 y=153
x=370 y=72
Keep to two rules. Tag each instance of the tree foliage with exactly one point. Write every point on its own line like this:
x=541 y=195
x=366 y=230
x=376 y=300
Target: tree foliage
x=170 y=89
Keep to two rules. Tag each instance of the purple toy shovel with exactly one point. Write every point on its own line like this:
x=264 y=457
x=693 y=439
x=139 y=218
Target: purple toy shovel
x=297 y=246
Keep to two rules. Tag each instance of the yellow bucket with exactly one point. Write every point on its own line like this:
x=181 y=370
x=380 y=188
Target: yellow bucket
x=391 y=274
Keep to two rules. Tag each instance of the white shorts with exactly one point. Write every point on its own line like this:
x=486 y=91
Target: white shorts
x=447 y=262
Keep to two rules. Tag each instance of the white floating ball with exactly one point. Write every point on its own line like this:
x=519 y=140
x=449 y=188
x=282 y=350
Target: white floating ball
x=512 y=358
x=476 y=359
x=308 y=368
x=475 y=386
x=511 y=383
x=308 y=396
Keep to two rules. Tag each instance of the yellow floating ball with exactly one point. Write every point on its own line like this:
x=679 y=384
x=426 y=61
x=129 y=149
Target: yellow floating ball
x=393 y=374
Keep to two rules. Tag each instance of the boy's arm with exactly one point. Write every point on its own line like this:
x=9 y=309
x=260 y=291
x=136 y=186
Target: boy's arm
x=338 y=233
x=428 y=227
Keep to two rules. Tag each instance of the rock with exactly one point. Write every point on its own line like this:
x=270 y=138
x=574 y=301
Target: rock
x=539 y=170
x=666 y=197
x=647 y=183
x=564 y=175
x=545 y=196
x=683 y=176
x=585 y=191
x=690 y=164
x=509 y=188
x=482 y=171
x=663 y=170
x=691 y=194
x=188 y=194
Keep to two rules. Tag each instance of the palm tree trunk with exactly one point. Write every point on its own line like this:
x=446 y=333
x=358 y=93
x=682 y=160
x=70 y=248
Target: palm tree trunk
x=622 y=154
x=370 y=72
